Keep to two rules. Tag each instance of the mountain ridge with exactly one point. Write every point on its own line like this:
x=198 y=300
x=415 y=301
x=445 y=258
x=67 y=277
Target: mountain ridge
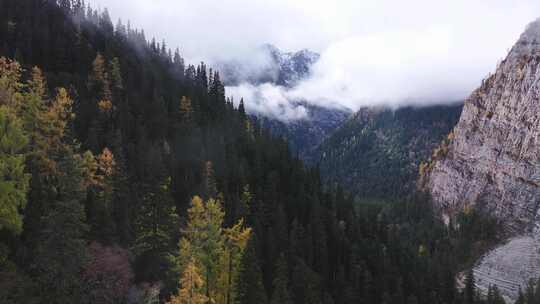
x=272 y=66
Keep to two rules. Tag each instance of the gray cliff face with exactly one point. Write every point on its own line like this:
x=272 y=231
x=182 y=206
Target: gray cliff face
x=494 y=162
x=494 y=159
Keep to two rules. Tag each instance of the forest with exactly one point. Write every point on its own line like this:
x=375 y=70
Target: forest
x=377 y=153
x=127 y=176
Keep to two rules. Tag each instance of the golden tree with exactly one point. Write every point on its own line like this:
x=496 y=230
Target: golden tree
x=191 y=284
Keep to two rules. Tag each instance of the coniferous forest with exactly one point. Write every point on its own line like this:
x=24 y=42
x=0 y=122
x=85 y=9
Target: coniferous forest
x=127 y=176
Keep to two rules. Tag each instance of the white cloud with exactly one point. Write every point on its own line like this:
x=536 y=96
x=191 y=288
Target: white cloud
x=268 y=100
x=373 y=51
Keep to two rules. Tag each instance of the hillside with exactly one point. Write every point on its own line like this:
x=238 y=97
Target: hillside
x=306 y=135
x=378 y=151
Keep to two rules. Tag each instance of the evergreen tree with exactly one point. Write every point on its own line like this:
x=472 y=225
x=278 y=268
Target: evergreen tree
x=281 y=293
x=191 y=290
x=209 y=187
x=98 y=81
x=13 y=180
x=186 y=111
x=494 y=296
x=157 y=220
x=204 y=236
x=306 y=284
x=61 y=252
x=103 y=227
x=236 y=239
x=470 y=288
x=250 y=288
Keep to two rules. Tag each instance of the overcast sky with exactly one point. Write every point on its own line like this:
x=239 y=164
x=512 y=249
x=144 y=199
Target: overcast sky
x=373 y=51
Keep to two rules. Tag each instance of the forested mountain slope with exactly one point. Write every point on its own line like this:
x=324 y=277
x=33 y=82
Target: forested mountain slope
x=306 y=135
x=378 y=151
x=127 y=177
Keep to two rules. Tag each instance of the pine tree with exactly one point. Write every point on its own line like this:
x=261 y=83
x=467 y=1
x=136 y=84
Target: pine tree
x=101 y=209
x=242 y=109
x=61 y=252
x=13 y=180
x=306 y=284
x=250 y=288
x=98 y=82
x=209 y=186
x=203 y=239
x=117 y=82
x=186 y=110
x=244 y=205
x=122 y=197
x=470 y=288
x=236 y=239
x=495 y=296
x=157 y=220
x=191 y=290
x=281 y=293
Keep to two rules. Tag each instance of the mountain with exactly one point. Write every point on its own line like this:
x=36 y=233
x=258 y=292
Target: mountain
x=287 y=69
x=492 y=164
x=376 y=153
x=293 y=66
x=272 y=66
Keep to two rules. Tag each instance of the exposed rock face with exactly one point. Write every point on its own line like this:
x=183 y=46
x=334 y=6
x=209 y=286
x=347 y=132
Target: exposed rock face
x=510 y=266
x=494 y=158
x=494 y=161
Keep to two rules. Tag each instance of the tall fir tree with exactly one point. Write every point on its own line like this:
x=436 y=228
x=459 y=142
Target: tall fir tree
x=191 y=290
x=281 y=294
x=250 y=287
x=14 y=181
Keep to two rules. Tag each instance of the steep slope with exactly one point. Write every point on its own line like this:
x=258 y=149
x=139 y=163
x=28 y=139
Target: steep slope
x=377 y=152
x=493 y=163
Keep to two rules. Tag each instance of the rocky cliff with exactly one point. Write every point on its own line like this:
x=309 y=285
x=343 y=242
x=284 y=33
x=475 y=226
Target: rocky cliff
x=493 y=161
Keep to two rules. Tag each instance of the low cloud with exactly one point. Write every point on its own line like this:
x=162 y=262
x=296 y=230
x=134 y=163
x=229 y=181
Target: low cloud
x=391 y=68
x=269 y=100
x=373 y=52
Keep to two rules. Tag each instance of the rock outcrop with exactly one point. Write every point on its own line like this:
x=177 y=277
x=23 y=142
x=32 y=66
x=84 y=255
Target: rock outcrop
x=494 y=158
x=494 y=161
x=510 y=266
